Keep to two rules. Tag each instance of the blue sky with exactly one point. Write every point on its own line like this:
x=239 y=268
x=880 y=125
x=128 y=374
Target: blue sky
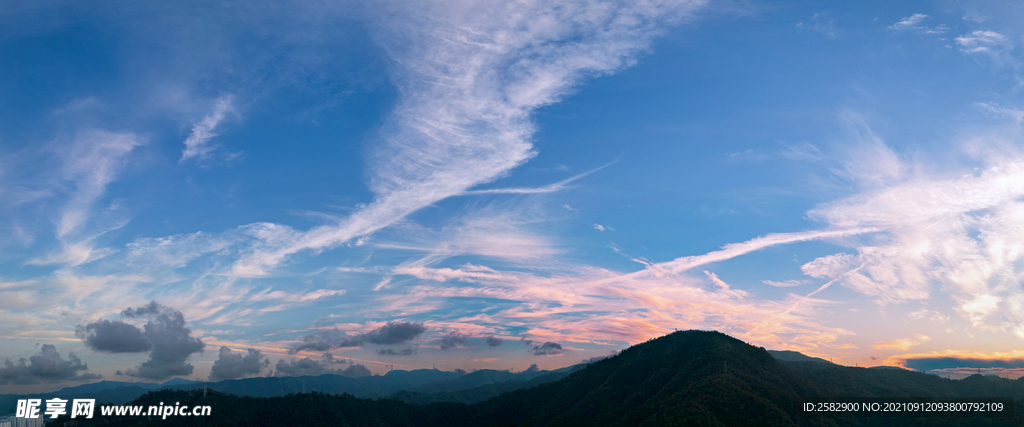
x=471 y=185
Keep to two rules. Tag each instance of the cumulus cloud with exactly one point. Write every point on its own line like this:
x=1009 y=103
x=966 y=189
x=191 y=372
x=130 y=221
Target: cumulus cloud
x=229 y=366
x=308 y=367
x=391 y=333
x=393 y=352
x=113 y=337
x=165 y=335
x=493 y=341
x=46 y=367
x=547 y=349
x=532 y=368
x=453 y=339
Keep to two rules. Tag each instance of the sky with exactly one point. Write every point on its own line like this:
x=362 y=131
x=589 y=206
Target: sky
x=215 y=191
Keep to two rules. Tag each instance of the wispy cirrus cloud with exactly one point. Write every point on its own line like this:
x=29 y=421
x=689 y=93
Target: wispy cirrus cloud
x=915 y=22
x=902 y=344
x=198 y=145
x=90 y=162
x=995 y=46
x=471 y=74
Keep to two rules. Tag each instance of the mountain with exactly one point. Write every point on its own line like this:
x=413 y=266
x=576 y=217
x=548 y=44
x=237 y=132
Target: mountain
x=794 y=356
x=481 y=393
x=105 y=385
x=688 y=378
x=685 y=378
x=178 y=381
x=370 y=386
x=477 y=379
x=840 y=380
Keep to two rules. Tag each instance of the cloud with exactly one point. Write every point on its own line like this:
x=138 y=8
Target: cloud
x=981 y=41
x=532 y=368
x=820 y=24
x=558 y=186
x=600 y=227
x=733 y=250
x=991 y=44
x=308 y=367
x=229 y=366
x=46 y=367
x=960 y=232
x=951 y=359
x=393 y=332
x=91 y=161
x=471 y=75
x=198 y=143
x=547 y=349
x=912 y=22
x=170 y=341
x=493 y=341
x=902 y=344
x=356 y=371
x=785 y=284
x=113 y=337
x=393 y=352
x=569 y=208
x=453 y=339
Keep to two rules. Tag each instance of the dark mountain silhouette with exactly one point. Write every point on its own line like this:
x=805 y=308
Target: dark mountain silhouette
x=840 y=380
x=477 y=379
x=795 y=356
x=689 y=378
x=481 y=393
x=685 y=378
x=369 y=386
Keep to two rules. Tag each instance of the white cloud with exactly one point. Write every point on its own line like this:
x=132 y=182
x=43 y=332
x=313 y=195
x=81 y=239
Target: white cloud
x=471 y=74
x=995 y=46
x=957 y=234
x=981 y=41
x=912 y=22
x=902 y=344
x=733 y=250
x=785 y=284
x=915 y=21
x=558 y=186
x=197 y=145
x=91 y=161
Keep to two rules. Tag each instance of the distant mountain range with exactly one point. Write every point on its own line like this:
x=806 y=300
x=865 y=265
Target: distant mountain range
x=688 y=378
